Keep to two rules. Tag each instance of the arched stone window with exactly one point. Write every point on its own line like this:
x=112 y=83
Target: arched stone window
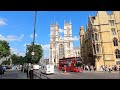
x=97 y=48
x=92 y=36
x=117 y=53
x=68 y=31
x=94 y=49
x=115 y=42
x=61 y=49
x=96 y=36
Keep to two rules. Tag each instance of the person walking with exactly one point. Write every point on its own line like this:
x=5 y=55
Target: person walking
x=31 y=72
x=119 y=69
x=94 y=68
x=1 y=70
x=109 y=69
x=27 y=71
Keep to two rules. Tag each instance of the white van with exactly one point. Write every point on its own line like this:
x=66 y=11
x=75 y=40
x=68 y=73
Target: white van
x=36 y=67
x=47 y=69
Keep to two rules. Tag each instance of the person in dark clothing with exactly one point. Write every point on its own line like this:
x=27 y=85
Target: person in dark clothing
x=119 y=69
x=1 y=70
x=27 y=71
x=31 y=72
x=94 y=68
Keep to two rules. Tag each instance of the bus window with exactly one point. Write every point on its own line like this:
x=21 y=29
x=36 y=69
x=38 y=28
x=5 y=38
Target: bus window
x=78 y=64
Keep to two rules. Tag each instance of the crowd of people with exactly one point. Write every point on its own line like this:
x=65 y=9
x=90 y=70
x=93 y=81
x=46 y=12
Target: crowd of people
x=110 y=68
x=102 y=68
x=89 y=68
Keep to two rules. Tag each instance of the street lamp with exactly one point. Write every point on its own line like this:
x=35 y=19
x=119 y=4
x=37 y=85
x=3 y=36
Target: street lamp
x=34 y=35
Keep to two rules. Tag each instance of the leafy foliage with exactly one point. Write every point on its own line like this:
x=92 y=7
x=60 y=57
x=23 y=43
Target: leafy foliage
x=18 y=59
x=4 y=48
x=38 y=53
x=6 y=62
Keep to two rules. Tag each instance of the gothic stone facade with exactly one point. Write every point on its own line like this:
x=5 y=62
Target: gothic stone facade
x=60 y=46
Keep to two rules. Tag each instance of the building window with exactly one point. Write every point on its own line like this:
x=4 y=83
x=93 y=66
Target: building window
x=117 y=62
x=54 y=32
x=92 y=36
x=111 y=22
x=115 y=42
x=113 y=31
x=94 y=49
x=54 y=38
x=61 y=49
x=117 y=53
x=96 y=36
x=68 y=31
x=97 y=48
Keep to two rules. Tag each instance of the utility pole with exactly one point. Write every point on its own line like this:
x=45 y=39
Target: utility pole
x=33 y=53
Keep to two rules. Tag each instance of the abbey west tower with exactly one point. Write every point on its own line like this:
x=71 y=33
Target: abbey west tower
x=60 y=46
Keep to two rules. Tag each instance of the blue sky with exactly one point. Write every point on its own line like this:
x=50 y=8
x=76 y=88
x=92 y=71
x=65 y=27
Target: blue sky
x=17 y=27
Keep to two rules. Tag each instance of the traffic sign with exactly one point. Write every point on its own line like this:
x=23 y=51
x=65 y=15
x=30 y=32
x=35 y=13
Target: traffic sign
x=33 y=53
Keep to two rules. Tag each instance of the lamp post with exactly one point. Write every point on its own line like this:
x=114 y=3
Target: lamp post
x=33 y=52
x=34 y=35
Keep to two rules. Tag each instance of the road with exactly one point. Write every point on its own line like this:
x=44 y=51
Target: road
x=13 y=74
x=17 y=74
x=83 y=75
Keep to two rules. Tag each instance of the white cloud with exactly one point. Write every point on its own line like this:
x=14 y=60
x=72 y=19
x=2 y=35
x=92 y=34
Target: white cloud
x=17 y=52
x=22 y=54
x=11 y=37
x=46 y=49
x=75 y=38
x=2 y=37
x=32 y=35
x=25 y=45
x=3 y=21
x=61 y=30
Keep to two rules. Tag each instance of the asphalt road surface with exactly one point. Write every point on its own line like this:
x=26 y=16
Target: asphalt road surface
x=17 y=74
x=83 y=75
x=13 y=74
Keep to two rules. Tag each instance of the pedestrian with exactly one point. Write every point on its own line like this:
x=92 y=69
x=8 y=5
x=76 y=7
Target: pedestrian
x=94 y=68
x=31 y=71
x=109 y=69
x=119 y=69
x=27 y=70
x=1 y=70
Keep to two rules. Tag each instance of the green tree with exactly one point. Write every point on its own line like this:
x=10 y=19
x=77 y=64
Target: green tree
x=6 y=62
x=21 y=59
x=38 y=53
x=15 y=59
x=18 y=59
x=4 y=48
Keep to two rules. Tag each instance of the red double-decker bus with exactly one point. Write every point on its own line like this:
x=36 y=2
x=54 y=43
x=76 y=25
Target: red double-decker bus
x=71 y=64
